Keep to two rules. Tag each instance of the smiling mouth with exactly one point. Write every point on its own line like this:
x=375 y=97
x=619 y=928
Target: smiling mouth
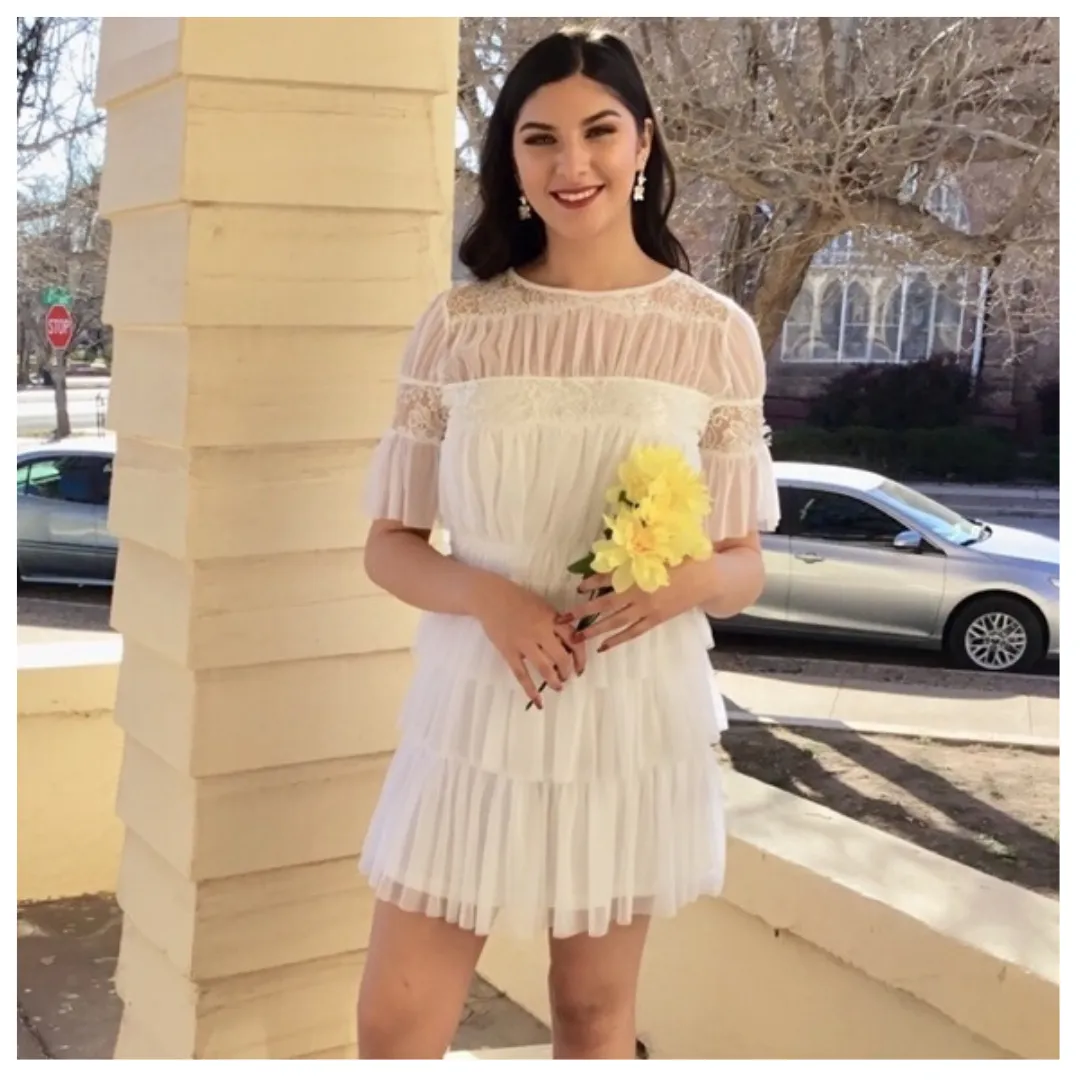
x=575 y=200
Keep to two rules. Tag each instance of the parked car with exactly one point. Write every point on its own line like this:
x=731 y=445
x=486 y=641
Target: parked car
x=860 y=557
x=62 y=506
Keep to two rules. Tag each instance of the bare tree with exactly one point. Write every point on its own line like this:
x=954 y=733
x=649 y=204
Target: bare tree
x=791 y=132
x=61 y=240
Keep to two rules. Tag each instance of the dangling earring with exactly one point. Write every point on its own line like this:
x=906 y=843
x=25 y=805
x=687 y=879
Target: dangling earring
x=639 y=187
x=524 y=209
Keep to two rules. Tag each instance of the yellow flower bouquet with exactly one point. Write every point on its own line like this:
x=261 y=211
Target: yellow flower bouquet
x=654 y=520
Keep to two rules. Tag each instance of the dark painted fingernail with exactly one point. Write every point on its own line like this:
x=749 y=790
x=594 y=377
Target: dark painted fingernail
x=578 y=637
x=603 y=648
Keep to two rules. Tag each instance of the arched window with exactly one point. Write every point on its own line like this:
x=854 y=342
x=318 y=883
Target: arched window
x=832 y=320
x=948 y=317
x=889 y=321
x=918 y=316
x=856 y=322
x=798 y=341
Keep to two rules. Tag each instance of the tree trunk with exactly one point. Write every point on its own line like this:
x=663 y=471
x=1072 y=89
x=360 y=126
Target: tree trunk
x=63 y=420
x=787 y=248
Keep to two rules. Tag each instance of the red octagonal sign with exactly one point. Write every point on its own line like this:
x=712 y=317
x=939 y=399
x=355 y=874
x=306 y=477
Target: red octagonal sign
x=59 y=326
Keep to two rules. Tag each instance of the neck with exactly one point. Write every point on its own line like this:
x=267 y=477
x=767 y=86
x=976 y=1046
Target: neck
x=610 y=261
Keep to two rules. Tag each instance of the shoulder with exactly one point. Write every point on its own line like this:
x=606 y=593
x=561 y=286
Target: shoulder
x=697 y=300
x=479 y=297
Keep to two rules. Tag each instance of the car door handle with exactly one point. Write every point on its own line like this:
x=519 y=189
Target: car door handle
x=810 y=557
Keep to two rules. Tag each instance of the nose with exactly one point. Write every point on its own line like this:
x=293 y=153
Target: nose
x=574 y=161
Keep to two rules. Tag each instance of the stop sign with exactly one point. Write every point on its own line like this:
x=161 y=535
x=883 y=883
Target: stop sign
x=59 y=326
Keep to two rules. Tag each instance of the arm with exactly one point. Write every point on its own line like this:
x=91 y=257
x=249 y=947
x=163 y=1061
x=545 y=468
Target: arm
x=735 y=579
x=403 y=562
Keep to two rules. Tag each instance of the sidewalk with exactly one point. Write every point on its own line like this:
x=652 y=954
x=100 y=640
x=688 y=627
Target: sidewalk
x=1025 y=714
x=1018 y=500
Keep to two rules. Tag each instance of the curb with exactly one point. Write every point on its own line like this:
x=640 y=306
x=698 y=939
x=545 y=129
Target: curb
x=887 y=676
x=988 y=738
x=1041 y=509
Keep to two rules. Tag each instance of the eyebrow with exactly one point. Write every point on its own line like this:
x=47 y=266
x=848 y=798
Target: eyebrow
x=602 y=115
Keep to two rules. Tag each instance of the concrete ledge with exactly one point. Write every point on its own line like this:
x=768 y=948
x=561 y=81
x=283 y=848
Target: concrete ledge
x=60 y=678
x=835 y=941
x=69 y=837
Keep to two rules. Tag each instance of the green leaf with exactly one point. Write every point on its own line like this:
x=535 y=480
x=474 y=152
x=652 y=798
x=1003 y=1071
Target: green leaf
x=583 y=566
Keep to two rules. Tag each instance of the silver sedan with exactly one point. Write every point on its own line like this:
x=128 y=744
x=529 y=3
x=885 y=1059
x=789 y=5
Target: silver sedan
x=62 y=497
x=860 y=557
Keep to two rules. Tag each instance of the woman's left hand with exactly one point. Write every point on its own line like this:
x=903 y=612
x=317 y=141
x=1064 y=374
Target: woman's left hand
x=628 y=615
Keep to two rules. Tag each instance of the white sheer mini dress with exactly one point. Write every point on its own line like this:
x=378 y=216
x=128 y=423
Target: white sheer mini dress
x=516 y=403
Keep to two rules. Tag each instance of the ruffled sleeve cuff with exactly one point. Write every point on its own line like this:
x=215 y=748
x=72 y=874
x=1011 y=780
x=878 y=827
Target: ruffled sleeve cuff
x=743 y=490
x=403 y=481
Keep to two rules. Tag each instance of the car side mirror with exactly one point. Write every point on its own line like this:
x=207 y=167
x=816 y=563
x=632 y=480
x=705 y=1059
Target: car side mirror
x=908 y=540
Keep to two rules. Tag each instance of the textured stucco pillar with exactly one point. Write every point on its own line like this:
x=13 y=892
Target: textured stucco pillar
x=281 y=193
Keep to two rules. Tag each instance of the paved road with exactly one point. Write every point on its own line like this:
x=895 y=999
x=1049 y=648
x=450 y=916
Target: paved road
x=1046 y=526
x=37 y=409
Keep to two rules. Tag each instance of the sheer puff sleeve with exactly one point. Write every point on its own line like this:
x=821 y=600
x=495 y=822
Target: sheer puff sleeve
x=735 y=444
x=403 y=482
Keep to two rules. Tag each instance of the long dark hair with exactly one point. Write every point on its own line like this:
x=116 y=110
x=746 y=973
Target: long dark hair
x=498 y=240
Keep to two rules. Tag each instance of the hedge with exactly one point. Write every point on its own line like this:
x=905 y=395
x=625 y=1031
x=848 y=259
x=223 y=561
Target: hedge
x=964 y=454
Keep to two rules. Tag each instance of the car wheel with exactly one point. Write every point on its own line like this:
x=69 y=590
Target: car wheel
x=998 y=634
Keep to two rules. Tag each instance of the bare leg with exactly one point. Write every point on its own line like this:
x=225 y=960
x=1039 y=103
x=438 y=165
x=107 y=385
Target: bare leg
x=416 y=978
x=593 y=987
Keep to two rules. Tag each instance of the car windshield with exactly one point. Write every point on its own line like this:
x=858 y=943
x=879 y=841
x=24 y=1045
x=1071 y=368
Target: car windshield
x=936 y=519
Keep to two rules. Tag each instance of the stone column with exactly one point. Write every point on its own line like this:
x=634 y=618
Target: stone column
x=281 y=195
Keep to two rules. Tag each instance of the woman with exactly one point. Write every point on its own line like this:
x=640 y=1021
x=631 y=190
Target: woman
x=519 y=396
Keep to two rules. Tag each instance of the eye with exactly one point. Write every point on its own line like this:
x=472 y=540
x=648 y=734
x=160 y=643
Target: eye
x=600 y=131
x=539 y=140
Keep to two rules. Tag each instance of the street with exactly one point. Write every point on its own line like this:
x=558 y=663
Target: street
x=54 y=613
x=37 y=409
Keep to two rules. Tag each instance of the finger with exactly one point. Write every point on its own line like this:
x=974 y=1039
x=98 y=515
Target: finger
x=521 y=673
x=576 y=648
x=559 y=655
x=594 y=583
x=634 y=630
x=542 y=662
x=601 y=606
x=615 y=621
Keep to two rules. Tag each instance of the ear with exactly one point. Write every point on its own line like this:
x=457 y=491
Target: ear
x=645 y=142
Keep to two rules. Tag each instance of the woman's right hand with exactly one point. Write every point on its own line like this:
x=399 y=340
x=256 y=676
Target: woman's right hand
x=522 y=626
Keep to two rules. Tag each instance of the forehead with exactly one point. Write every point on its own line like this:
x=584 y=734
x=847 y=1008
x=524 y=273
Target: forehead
x=569 y=102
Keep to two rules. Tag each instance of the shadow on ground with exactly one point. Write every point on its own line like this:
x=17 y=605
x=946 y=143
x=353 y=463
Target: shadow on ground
x=993 y=808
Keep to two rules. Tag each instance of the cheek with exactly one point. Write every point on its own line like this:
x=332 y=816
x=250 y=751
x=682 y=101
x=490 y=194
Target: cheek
x=532 y=168
x=619 y=162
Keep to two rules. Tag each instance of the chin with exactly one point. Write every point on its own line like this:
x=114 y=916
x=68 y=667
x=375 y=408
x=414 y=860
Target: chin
x=579 y=225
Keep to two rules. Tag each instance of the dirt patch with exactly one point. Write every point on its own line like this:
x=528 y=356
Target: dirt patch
x=989 y=807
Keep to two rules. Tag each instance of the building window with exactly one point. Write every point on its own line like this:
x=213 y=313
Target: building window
x=832 y=321
x=856 y=323
x=798 y=336
x=948 y=320
x=918 y=319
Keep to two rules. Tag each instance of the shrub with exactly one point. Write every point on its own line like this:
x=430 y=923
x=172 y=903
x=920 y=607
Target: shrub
x=896 y=397
x=1049 y=398
x=965 y=454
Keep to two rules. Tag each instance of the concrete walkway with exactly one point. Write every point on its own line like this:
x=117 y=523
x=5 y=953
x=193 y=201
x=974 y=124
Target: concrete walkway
x=1020 y=712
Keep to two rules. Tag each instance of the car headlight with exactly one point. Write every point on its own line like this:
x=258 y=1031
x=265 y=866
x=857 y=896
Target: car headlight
x=1055 y=581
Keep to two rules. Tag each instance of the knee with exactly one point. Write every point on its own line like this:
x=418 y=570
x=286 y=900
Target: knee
x=587 y=1011
x=389 y=1027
